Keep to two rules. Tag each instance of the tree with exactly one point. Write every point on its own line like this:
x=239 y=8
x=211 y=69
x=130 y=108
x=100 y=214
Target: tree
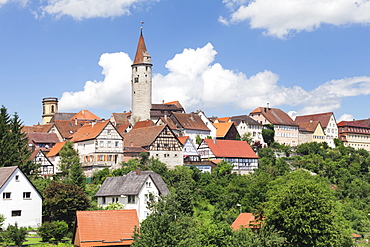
x=14 y=149
x=198 y=139
x=304 y=209
x=61 y=201
x=2 y=219
x=70 y=166
x=55 y=229
x=268 y=134
x=15 y=234
x=247 y=137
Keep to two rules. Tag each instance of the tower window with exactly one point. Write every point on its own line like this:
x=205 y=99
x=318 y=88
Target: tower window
x=52 y=109
x=136 y=79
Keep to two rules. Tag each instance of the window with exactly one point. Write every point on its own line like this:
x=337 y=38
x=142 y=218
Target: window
x=109 y=144
x=101 y=144
x=114 y=199
x=148 y=184
x=116 y=144
x=103 y=200
x=131 y=199
x=6 y=195
x=16 y=177
x=16 y=213
x=26 y=195
x=108 y=132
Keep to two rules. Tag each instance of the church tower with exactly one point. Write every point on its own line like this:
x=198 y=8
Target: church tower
x=49 y=108
x=141 y=83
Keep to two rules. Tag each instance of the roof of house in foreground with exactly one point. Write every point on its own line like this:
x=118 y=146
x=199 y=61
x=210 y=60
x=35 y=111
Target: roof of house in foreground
x=5 y=173
x=105 y=227
x=130 y=184
x=246 y=220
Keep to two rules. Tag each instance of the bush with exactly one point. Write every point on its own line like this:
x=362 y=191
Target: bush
x=56 y=229
x=15 y=234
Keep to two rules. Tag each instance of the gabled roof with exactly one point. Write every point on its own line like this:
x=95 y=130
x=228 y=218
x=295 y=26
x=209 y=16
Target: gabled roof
x=223 y=119
x=143 y=124
x=222 y=128
x=183 y=139
x=54 y=151
x=89 y=131
x=324 y=118
x=140 y=51
x=308 y=126
x=168 y=121
x=5 y=173
x=121 y=118
x=131 y=184
x=275 y=116
x=190 y=121
x=85 y=115
x=121 y=128
x=246 y=220
x=105 y=227
x=230 y=148
x=44 y=128
x=66 y=127
x=364 y=121
x=36 y=137
x=176 y=103
x=62 y=116
x=142 y=137
x=247 y=119
x=352 y=124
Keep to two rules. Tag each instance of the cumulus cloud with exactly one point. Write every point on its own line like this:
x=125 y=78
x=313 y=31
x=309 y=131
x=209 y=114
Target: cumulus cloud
x=345 y=117
x=79 y=9
x=283 y=17
x=198 y=83
x=21 y=2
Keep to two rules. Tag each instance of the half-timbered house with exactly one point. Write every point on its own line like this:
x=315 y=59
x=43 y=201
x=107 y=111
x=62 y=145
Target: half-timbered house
x=46 y=167
x=160 y=141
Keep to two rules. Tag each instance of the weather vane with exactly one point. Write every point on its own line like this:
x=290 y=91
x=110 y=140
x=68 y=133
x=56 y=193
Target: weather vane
x=141 y=27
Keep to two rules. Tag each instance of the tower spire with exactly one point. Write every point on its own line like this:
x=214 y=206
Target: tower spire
x=141 y=52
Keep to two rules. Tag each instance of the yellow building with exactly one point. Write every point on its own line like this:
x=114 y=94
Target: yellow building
x=311 y=131
x=354 y=134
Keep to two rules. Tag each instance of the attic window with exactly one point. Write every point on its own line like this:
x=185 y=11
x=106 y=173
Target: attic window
x=16 y=177
x=136 y=79
x=148 y=184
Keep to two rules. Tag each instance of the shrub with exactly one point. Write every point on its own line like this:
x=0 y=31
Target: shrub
x=56 y=229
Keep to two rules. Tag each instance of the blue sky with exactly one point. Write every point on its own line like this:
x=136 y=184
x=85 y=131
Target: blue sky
x=225 y=57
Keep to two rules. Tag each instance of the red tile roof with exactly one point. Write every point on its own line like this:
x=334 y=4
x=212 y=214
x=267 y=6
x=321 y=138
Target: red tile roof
x=352 y=124
x=121 y=118
x=47 y=138
x=44 y=128
x=142 y=137
x=54 y=151
x=105 y=227
x=223 y=119
x=183 y=139
x=275 y=116
x=141 y=49
x=246 y=220
x=230 y=148
x=176 y=103
x=308 y=126
x=324 y=118
x=190 y=121
x=89 y=131
x=66 y=127
x=143 y=124
x=85 y=115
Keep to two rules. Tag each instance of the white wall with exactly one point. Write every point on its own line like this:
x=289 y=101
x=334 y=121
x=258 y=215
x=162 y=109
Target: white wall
x=31 y=209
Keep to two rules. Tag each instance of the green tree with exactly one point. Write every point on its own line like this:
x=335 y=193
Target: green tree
x=70 y=166
x=2 y=219
x=56 y=230
x=14 y=149
x=61 y=201
x=304 y=209
x=15 y=234
x=247 y=137
x=268 y=134
x=198 y=139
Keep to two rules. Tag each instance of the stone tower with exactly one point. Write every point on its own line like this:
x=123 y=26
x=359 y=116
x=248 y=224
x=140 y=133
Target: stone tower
x=49 y=108
x=141 y=83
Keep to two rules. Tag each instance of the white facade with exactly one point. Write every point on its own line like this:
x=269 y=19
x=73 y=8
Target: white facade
x=139 y=202
x=331 y=131
x=255 y=130
x=20 y=202
x=208 y=123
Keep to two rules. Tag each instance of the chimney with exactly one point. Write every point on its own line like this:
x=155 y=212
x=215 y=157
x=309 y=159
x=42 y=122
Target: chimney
x=92 y=124
x=268 y=105
x=131 y=144
x=311 y=121
x=75 y=121
x=162 y=101
x=138 y=171
x=214 y=140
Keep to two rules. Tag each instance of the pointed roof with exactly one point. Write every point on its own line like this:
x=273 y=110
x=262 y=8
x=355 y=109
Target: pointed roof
x=247 y=119
x=190 y=121
x=85 y=115
x=275 y=116
x=105 y=227
x=131 y=184
x=44 y=128
x=183 y=139
x=140 y=51
x=89 y=131
x=324 y=118
x=223 y=128
x=142 y=137
x=246 y=220
x=308 y=126
x=5 y=173
x=143 y=124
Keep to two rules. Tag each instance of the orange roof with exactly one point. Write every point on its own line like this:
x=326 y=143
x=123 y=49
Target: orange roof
x=143 y=124
x=54 y=151
x=223 y=119
x=308 y=126
x=85 y=115
x=246 y=220
x=176 y=103
x=89 y=131
x=141 y=49
x=222 y=128
x=37 y=128
x=105 y=227
x=183 y=139
x=231 y=148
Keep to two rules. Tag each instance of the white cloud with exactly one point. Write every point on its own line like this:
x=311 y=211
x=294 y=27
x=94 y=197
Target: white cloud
x=83 y=9
x=345 y=117
x=23 y=3
x=283 y=17
x=197 y=83
x=114 y=92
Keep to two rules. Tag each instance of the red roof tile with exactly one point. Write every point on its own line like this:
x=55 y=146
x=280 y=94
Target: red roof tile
x=47 y=138
x=44 y=128
x=54 y=151
x=308 y=126
x=352 y=124
x=324 y=118
x=143 y=124
x=105 y=227
x=89 y=131
x=85 y=115
x=230 y=148
x=141 y=49
x=190 y=121
x=275 y=116
x=183 y=139
x=222 y=128
x=142 y=137
x=246 y=220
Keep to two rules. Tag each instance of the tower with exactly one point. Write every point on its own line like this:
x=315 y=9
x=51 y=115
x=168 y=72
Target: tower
x=49 y=108
x=141 y=83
